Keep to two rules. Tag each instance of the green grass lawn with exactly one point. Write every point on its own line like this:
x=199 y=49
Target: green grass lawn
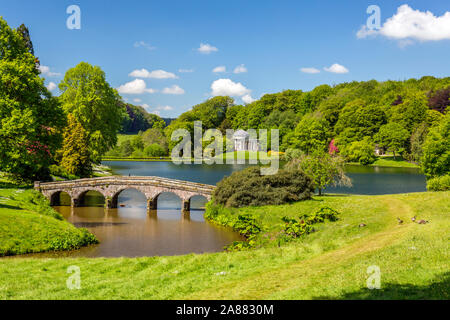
x=28 y=225
x=328 y=264
x=391 y=162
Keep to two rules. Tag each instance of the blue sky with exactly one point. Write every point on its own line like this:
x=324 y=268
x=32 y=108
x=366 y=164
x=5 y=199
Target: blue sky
x=271 y=40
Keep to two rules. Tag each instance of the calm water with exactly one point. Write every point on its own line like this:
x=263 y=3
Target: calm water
x=366 y=180
x=130 y=231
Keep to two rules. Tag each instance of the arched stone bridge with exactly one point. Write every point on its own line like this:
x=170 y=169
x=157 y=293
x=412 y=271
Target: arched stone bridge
x=111 y=187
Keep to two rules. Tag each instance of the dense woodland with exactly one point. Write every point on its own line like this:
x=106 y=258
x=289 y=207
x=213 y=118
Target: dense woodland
x=77 y=129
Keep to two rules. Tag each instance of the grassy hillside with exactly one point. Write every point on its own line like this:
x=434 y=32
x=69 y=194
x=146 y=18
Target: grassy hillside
x=331 y=263
x=28 y=225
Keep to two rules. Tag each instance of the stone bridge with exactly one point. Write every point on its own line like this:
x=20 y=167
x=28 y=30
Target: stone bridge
x=111 y=187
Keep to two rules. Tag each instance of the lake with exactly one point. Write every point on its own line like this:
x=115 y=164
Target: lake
x=131 y=232
x=366 y=180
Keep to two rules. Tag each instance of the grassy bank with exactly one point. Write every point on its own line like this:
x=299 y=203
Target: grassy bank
x=330 y=263
x=388 y=161
x=29 y=225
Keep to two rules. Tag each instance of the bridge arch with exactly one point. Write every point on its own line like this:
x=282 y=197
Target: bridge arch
x=197 y=201
x=80 y=198
x=115 y=197
x=60 y=198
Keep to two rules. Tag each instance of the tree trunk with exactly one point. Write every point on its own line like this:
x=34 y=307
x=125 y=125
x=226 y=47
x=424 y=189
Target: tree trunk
x=320 y=192
x=394 y=155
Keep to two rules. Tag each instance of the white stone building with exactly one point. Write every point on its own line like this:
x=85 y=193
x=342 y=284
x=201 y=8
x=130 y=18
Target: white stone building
x=243 y=142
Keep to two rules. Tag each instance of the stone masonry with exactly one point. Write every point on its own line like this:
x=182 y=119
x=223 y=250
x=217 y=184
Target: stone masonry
x=111 y=187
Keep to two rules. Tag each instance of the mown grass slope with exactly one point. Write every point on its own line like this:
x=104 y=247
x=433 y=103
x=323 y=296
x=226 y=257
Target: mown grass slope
x=328 y=264
x=29 y=225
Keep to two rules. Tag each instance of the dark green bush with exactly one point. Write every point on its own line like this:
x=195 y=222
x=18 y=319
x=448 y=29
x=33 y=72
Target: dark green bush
x=250 y=188
x=439 y=183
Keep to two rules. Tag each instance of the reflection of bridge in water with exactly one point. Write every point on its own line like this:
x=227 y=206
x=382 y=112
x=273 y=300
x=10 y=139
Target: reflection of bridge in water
x=111 y=187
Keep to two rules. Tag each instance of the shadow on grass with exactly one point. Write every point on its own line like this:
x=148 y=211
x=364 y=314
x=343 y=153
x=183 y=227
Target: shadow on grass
x=6 y=206
x=439 y=289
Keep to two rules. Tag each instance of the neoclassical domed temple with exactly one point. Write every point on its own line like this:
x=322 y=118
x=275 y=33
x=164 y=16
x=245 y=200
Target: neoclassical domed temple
x=243 y=141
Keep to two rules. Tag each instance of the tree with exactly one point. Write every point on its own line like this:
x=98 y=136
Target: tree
x=393 y=137
x=24 y=32
x=155 y=150
x=417 y=140
x=323 y=169
x=87 y=95
x=138 y=119
x=312 y=134
x=154 y=135
x=30 y=118
x=412 y=112
x=436 y=150
x=75 y=156
x=440 y=100
x=360 y=151
x=358 y=120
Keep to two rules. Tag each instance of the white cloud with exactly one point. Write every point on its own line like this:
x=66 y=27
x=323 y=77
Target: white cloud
x=155 y=112
x=156 y=74
x=226 y=87
x=185 y=70
x=137 y=86
x=310 y=70
x=247 y=98
x=137 y=100
x=220 y=69
x=336 y=68
x=240 y=69
x=144 y=45
x=164 y=108
x=46 y=71
x=173 y=90
x=206 y=48
x=51 y=86
x=410 y=24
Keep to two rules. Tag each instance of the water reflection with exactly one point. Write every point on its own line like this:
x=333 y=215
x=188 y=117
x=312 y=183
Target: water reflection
x=131 y=231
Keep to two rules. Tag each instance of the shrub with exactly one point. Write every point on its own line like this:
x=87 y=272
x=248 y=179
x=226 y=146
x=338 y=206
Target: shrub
x=155 y=150
x=295 y=229
x=439 y=184
x=73 y=241
x=250 y=188
x=360 y=151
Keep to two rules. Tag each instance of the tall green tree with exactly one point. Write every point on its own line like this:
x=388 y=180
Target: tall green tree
x=393 y=137
x=30 y=118
x=75 y=155
x=95 y=104
x=436 y=150
x=312 y=134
